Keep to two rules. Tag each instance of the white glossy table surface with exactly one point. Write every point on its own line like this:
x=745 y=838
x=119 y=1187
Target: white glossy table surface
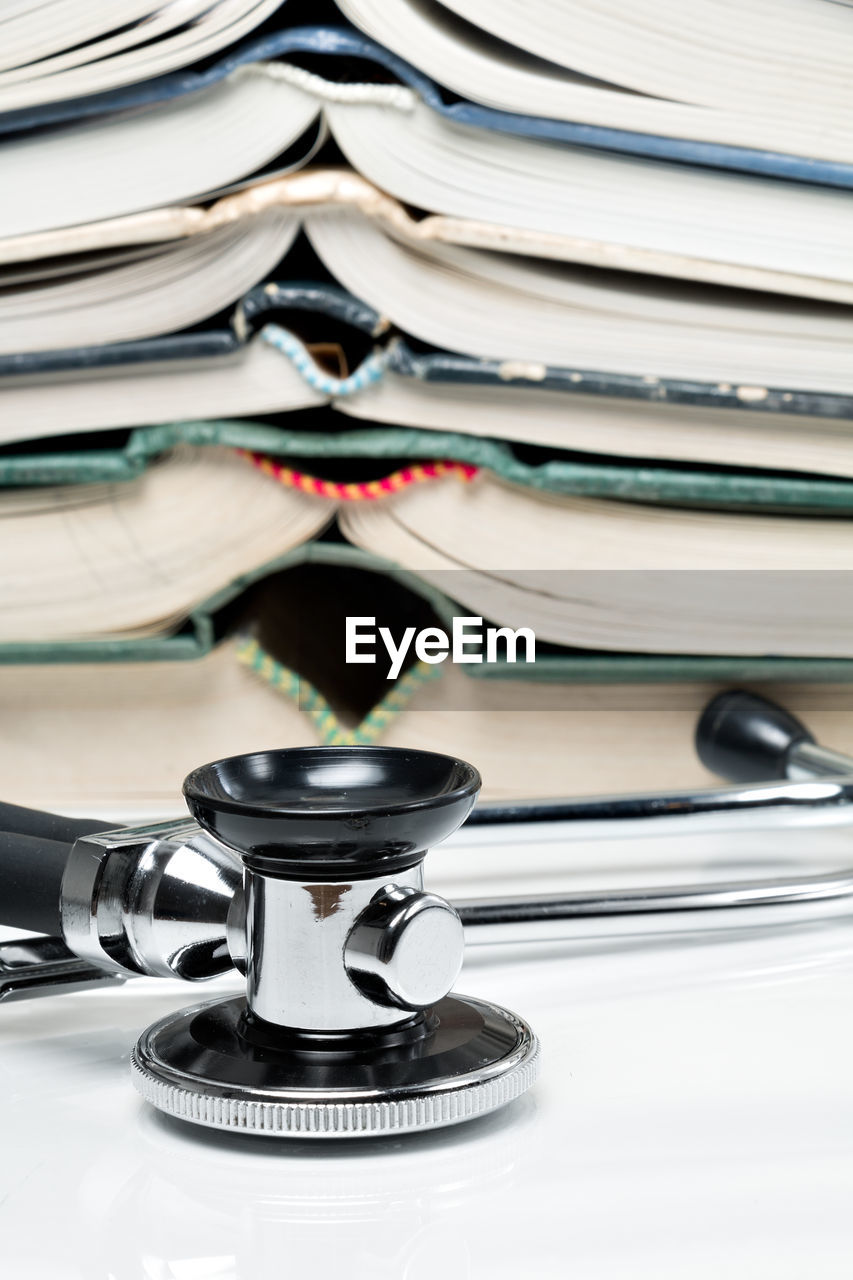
x=694 y=1119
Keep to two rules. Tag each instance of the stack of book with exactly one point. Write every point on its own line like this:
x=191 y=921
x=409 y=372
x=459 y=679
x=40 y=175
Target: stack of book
x=535 y=316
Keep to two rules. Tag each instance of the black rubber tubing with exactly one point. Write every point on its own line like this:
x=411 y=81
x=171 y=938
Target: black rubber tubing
x=48 y=826
x=34 y=849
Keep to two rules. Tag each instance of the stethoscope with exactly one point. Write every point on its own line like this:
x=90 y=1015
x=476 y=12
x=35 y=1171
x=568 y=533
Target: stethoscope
x=303 y=869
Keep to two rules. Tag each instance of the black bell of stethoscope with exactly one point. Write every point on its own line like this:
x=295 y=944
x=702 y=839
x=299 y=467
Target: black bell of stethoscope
x=304 y=870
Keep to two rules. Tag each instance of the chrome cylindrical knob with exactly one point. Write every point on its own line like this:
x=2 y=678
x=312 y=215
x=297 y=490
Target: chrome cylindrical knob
x=296 y=935
x=405 y=949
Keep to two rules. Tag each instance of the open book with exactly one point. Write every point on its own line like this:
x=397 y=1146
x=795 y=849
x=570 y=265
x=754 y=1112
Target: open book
x=637 y=50
x=496 y=306
x=226 y=380
x=641 y=68
x=55 y=49
x=502 y=307
x=118 y=738
x=777 y=82
x=124 y=294
x=136 y=560
x=249 y=366
x=751 y=120
x=556 y=199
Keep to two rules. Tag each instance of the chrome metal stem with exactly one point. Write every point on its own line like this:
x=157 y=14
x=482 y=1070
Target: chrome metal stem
x=151 y=900
x=819 y=793
x=44 y=966
x=668 y=909
x=296 y=947
x=808 y=760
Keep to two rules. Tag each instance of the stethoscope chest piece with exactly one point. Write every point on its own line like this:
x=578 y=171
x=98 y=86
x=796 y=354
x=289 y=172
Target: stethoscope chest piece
x=200 y=1067
x=348 y=1027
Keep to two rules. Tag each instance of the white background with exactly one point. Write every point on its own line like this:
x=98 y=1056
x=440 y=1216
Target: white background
x=694 y=1117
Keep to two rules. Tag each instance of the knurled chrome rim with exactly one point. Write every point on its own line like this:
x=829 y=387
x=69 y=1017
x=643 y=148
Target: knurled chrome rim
x=451 y=1102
